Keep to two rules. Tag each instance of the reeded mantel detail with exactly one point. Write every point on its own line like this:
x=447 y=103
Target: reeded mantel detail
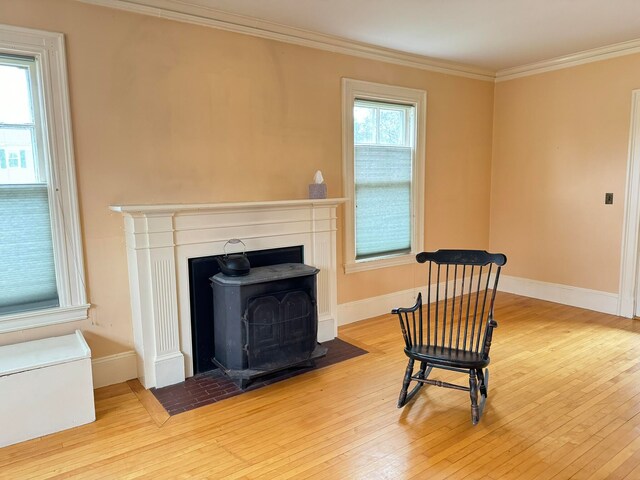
x=162 y=238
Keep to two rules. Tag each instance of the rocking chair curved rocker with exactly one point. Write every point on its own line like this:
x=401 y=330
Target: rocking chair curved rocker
x=456 y=329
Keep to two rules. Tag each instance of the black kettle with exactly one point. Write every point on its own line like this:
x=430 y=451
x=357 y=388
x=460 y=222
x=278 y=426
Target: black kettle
x=237 y=264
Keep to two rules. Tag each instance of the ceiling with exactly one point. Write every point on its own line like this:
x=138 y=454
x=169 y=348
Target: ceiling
x=489 y=34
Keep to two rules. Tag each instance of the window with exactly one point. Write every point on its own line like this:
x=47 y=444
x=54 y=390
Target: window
x=42 y=274
x=383 y=148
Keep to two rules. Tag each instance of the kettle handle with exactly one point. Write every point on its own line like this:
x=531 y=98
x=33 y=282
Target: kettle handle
x=234 y=241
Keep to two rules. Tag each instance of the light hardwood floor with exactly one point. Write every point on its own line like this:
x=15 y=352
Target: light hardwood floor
x=564 y=402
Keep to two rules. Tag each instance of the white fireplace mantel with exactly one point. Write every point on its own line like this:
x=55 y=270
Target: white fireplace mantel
x=162 y=238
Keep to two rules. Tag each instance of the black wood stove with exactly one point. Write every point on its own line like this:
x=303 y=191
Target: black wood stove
x=265 y=321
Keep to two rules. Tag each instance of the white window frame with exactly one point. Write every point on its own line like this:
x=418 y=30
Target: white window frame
x=377 y=92
x=57 y=151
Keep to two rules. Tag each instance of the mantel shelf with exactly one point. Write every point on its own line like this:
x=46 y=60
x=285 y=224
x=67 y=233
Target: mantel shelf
x=228 y=206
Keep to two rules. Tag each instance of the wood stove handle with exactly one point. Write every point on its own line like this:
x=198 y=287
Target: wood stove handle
x=245 y=325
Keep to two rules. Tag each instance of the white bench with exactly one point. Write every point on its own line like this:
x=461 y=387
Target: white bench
x=45 y=387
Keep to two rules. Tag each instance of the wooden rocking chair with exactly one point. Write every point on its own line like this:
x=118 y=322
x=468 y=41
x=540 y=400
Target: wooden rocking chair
x=459 y=323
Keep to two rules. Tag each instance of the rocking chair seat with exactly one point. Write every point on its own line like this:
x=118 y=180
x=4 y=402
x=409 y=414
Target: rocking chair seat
x=447 y=357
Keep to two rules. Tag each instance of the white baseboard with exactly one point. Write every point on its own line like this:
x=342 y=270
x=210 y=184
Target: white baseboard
x=326 y=328
x=567 y=295
x=375 y=306
x=112 y=369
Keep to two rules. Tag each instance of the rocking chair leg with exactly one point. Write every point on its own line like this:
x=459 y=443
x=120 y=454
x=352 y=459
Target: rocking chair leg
x=473 y=393
x=423 y=373
x=423 y=368
x=482 y=382
x=483 y=379
x=405 y=383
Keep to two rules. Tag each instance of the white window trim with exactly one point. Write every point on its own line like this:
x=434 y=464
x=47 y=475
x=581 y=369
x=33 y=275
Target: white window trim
x=357 y=89
x=48 y=49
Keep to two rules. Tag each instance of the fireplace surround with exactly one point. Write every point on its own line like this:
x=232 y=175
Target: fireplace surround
x=161 y=239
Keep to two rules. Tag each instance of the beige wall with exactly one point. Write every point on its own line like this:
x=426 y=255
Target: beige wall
x=560 y=142
x=166 y=112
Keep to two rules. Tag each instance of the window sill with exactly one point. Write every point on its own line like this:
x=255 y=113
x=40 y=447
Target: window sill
x=43 y=318
x=373 y=264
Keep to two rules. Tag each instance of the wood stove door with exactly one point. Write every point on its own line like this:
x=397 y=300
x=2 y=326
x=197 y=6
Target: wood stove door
x=279 y=332
x=299 y=332
x=262 y=331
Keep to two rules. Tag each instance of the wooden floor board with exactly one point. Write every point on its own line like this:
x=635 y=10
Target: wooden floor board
x=564 y=402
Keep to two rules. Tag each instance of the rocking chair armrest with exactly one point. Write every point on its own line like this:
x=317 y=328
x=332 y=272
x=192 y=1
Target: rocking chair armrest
x=416 y=307
x=491 y=324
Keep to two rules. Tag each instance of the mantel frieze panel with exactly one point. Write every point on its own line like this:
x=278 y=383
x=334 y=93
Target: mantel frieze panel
x=189 y=221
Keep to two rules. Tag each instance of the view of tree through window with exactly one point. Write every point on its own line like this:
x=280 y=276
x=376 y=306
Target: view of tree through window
x=377 y=123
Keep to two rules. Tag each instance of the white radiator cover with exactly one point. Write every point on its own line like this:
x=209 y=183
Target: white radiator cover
x=162 y=238
x=45 y=386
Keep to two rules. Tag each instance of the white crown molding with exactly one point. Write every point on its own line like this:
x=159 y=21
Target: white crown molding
x=185 y=12
x=567 y=61
x=188 y=13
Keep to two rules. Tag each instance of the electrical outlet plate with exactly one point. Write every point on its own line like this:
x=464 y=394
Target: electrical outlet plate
x=608 y=198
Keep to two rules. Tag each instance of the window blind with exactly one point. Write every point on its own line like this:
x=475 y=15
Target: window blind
x=27 y=270
x=383 y=200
